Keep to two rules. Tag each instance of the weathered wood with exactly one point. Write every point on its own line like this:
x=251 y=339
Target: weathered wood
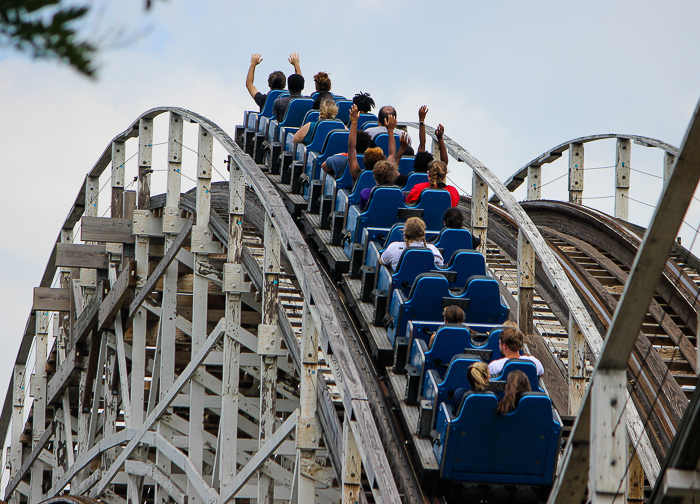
x=534 y=182
x=160 y=409
x=88 y=318
x=167 y=259
x=576 y=173
x=669 y=161
x=622 y=178
x=352 y=466
x=17 y=425
x=308 y=432
x=636 y=477
x=117 y=296
x=526 y=284
x=480 y=210
x=103 y=229
x=118 y=178
x=69 y=255
x=145 y=161
x=576 y=368
x=48 y=299
x=36 y=450
x=60 y=380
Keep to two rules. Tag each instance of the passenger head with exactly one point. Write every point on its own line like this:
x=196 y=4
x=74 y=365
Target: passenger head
x=276 y=80
x=437 y=173
x=363 y=142
x=364 y=102
x=453 y=218
x=384 y=114
x=328 y=109
x=295 y=84
x=420 y=163
x=372 y=156
x=511 y=324
x=453 y=314
x=414 y=230
x=516 y=385
x=512 y=339
x=322 y=81
x=478 y=376
x=383 y=172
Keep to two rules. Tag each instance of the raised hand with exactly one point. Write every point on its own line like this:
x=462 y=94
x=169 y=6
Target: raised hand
x=422 y=112
x=404 y=141
x=391 y=122
x=294 y=59
x=255 y=59
x=439 y=131
x=354 y=114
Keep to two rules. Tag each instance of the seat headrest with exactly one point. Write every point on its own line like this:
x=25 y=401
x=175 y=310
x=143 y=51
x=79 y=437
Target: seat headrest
x=439 y=279
x=412 y=250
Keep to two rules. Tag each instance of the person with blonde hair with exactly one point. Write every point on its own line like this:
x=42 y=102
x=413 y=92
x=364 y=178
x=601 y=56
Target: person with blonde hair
x=516 y=385
x=327 y=113
x=437 y=175
x=323 y=88
x=478 y=378
x=413 y=236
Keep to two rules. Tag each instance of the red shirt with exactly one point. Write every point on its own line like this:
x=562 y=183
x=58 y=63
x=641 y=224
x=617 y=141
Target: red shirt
x=414 y=195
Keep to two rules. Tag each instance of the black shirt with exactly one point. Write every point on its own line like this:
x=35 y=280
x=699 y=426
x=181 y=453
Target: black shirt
x=260 y=100
x=279 y=108
x=321 y=96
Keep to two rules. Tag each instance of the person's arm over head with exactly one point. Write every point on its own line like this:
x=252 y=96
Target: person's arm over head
x=294 y=60
x=353 y=165
x=422 y=112
x=255 y=60
x=301 y=133
x=441 y=142
x=403 y=147
x=390 y=126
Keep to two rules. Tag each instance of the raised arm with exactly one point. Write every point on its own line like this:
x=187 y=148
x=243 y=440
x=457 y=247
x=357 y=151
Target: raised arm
x=255 y=60
x=294 y=60
x=443 y=150
x=422 y=112
x=390 y=126
x=353 y=165
x=403 y=147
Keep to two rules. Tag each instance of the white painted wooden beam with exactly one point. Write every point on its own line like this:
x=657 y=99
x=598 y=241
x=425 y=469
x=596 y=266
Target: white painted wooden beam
x=480 y=210
x=622 y=178
x=534 y=183
x=576 y=173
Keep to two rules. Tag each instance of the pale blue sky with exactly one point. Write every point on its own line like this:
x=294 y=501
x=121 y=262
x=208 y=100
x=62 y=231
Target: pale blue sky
x=507 y=79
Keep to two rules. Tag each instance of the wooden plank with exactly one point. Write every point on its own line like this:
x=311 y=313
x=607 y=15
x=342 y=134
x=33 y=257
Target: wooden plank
x=106 y=229
x=48 y=299
x=70 y=255
x=576 y=173
x=61 y=378
x=119 y=293
x=40 y=445
x=160 y=269
x=88 y=318
x=622 y=178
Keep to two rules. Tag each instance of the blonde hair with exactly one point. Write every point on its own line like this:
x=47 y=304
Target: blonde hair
x=478 y=376
x=328 y=109
x=383 y=172
x=511 y=324
x=414 y=230
x=437 y=173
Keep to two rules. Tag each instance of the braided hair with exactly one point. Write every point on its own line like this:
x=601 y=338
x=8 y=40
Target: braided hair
x=437 y=174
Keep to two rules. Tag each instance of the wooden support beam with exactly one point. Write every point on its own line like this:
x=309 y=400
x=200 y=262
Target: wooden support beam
x=681 y=483
x=167 y=259
x=480 y=210
x=70 y=255
x=576 y=173
x=145 y=162
x=622 y=178
x=36 y=450
x=103 y=229
x=88 y=318
x=534 y=183
x=118 y=178
x=117 y=296
x=526 y=285
x=669 y=161
x=265 y=452
x=48 y=299
x=352 y=467
x=39 y=406
x=269 y=345
x=181 y=381
x=17 y=426
x=163 y=480
x=576 y=368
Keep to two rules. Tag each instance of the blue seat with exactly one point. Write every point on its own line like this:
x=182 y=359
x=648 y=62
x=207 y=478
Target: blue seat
x=344 y=107
x=386 y=206
x=480 y=300
x=368 y=123
x=479 y=446
x=382 y=141
x=406 y=165
x=343 y=180
x=271 y=97
x=439 y=388
x=366 y=119
x=293 y=119
x=311 y=116
x=346 y=199
x=450 y=240
x=413 y=179
x=335 y=143
x=526 y=366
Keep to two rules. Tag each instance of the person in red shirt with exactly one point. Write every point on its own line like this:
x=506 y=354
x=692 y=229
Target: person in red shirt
x=437 y=174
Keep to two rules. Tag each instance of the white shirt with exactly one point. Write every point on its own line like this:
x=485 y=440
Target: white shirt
x=393 y=252
x=375 y=131
x=496 y=366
